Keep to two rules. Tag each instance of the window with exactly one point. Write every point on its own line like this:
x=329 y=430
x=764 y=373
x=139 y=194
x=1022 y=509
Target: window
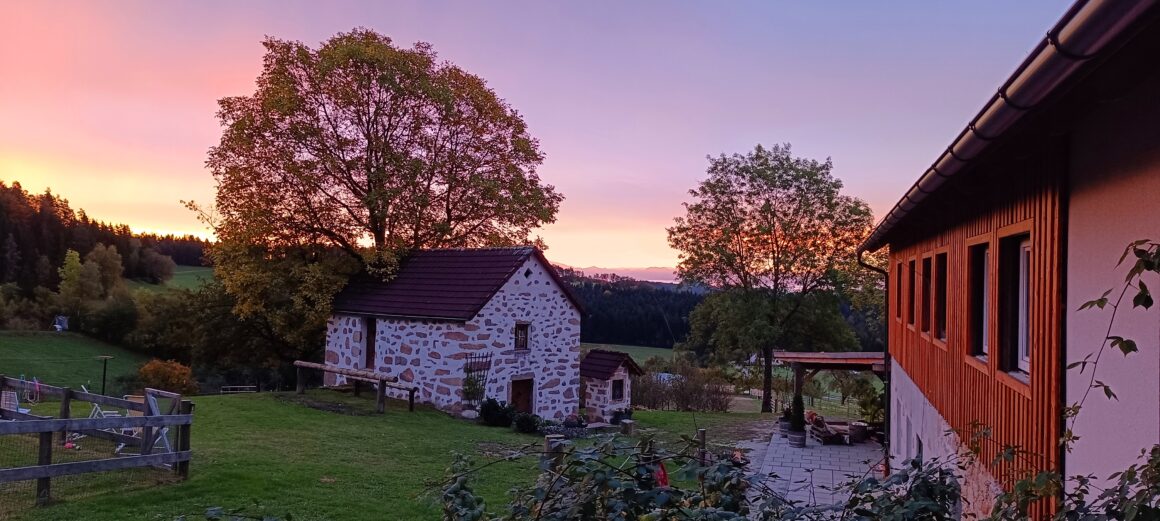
x=940 y=296
x=979 y=279
x=617 y=390
x=926 y=276
x=898 y=291
x=1015 y=303
x=910 y=293
x=521 y=337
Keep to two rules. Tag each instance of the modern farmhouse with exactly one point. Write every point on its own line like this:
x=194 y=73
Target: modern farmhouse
x=996 y=247
x=463 y=325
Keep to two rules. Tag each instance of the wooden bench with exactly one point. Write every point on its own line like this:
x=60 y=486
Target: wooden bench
x=383 y=381
x=238 y=389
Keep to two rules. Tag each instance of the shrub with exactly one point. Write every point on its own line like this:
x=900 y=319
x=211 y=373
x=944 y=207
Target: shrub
x=496 y=414
x=574 y=421
x=473 y=387
x=169 y=376
x=689 y=388
x=526 y=423
x=797 y=417
x=870 y=405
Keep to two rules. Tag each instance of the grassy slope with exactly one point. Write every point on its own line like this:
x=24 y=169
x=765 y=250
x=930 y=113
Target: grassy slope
x=184 y=277
x=63 y=359
x=325 y=465
x=639 y=353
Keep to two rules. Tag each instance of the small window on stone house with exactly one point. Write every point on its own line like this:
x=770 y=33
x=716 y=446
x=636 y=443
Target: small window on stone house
x=618 y=390
x=522 y=337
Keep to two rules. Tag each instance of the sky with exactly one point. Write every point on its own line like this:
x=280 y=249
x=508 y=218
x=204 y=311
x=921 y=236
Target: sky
x=112 y=104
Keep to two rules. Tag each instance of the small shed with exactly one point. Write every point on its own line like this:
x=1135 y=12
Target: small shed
x=607 y=384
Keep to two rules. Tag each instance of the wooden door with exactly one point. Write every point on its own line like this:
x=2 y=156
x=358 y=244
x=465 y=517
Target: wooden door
x=522 y=394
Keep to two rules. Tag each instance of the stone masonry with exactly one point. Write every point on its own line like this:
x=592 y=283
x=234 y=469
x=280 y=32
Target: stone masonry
x=430 y=354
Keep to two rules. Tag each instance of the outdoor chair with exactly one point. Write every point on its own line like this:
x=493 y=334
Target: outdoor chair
x=11 y=400
x=824 y=433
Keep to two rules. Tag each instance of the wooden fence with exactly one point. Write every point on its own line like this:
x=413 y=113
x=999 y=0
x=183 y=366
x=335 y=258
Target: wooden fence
x=143 y=432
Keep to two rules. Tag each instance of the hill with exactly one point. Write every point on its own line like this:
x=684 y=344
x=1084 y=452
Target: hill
x=622 y=310
x=63 y=359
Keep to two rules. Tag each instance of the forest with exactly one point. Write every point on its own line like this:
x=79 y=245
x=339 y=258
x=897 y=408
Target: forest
x=622 y=310
x=37 y=230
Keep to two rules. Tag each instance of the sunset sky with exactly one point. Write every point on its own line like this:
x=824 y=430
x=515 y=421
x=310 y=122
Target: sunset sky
x=111 y=104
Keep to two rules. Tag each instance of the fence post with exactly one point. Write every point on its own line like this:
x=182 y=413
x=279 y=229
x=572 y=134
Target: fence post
x=301 y=381
x=702 y=456
x=554 y=449
x=183 y=440
x=44 y=458
x=411 y=399
x=65 y=411
x=627 y=427
x=381 y=398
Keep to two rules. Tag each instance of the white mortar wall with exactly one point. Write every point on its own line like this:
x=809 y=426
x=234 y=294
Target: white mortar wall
x=431 y=354
x=1115 y=199
x=913 y=418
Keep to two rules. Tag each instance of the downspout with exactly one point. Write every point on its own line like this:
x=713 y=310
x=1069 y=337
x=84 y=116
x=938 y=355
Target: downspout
x=885 y=356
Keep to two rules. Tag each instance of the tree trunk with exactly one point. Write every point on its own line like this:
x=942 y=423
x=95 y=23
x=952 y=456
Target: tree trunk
x=767 y=385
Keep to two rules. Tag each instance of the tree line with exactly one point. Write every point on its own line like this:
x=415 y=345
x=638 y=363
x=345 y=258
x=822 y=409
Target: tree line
x=38 y=230
x=623 y=310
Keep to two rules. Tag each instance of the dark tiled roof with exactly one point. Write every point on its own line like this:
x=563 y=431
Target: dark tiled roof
x=451 y=284
x=601 y=364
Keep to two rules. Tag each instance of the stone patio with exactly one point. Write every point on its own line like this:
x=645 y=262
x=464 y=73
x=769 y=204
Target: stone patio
x=808 y=474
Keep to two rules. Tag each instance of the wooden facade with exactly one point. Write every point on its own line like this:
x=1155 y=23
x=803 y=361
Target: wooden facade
x=1023 y=195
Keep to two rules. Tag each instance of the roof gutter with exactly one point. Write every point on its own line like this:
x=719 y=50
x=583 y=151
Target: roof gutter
x=1083 y=31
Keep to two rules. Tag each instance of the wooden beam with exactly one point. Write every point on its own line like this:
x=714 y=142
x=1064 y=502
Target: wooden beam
x=362 y=373
x=83 y=467
x=44 y=459
x=108 y=401
x=183 y=440
x=80 y=424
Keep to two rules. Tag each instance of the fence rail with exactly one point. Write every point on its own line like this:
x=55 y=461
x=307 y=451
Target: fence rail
x=145 y=426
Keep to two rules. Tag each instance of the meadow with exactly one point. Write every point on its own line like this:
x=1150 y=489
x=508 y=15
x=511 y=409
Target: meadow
x=325 y=456
x=63 y=359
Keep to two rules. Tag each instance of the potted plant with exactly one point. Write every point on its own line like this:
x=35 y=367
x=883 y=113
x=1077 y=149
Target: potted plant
x=797 y=423
x=783 y=422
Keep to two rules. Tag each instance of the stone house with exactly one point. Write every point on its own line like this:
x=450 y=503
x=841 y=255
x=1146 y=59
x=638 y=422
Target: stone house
x=607 y=383
x=498 y=316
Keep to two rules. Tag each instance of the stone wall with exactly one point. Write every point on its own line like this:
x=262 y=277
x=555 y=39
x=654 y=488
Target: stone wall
x=598 y=402
x=914 y=421
x=430 y=354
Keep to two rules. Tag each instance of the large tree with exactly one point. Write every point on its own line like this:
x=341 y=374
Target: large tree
x=771 y=226
x=366 y=150
x=374 y=149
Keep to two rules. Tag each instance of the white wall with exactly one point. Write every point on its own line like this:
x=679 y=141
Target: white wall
x=913 y=418
x=1115 y=199
x=431 y=354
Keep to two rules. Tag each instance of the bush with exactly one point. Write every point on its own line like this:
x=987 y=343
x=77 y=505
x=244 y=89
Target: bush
x=526 y=423
x=690 y=388
x=797 y=417
x=496 y=414
x=872 y=408
x=574 y=421
x=169 y=376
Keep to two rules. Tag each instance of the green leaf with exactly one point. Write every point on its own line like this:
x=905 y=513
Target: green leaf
x=1143 y=298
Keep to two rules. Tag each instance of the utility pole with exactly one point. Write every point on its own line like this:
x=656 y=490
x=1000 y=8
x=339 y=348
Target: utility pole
x=104 y=370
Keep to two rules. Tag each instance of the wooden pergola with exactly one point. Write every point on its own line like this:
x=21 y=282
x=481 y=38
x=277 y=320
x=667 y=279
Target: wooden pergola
x=812 y=362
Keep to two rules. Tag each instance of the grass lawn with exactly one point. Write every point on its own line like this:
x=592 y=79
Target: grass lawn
x=63 y=359
x=184 y=277
x=288 y=454
x=639 y=353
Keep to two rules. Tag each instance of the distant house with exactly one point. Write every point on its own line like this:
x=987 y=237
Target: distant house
x=497 y=315
x=607 y=383
x=994 y=249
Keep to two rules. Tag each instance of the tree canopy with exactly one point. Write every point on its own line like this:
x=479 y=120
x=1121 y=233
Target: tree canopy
x=374 y=149
x=772 y=227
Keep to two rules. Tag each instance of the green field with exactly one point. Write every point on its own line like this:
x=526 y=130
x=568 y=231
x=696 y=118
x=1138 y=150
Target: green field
x=184 y=277
x=289 y=455
x=640 y=354
x=63 y=359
